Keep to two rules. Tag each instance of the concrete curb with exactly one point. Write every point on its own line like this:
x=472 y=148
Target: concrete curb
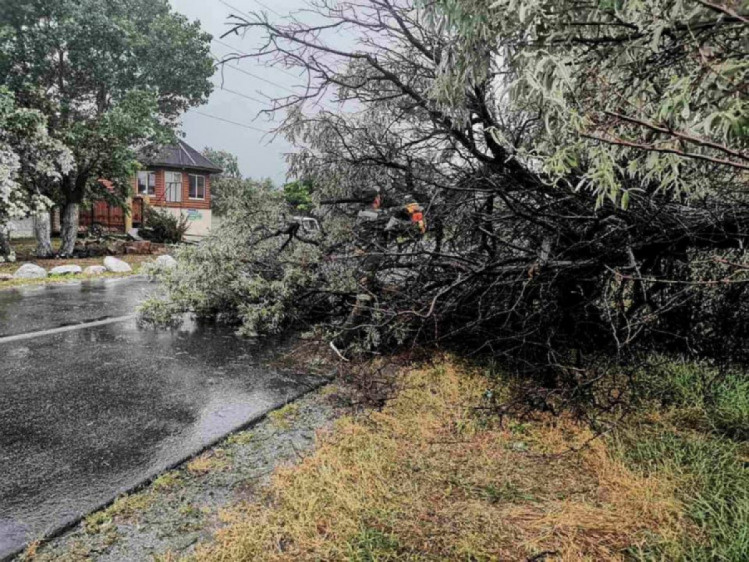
x=308 y=387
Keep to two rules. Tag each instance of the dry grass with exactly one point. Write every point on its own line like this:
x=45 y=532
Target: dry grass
x=31 y=551
x=429 y=478
x=211 y=461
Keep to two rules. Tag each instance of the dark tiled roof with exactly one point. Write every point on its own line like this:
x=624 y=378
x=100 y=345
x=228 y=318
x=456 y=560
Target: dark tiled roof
x=181 y=156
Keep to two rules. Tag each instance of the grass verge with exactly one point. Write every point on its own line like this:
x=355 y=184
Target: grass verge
x=695 y=434
x=430 y=477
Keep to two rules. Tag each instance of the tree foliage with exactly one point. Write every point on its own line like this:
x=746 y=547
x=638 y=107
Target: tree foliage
x=298 y=194
x=225 y=160
x=239 y=275
x=626 y=95
x=110 y=76
x=478 y=196
x=30 y=161
x=225 y=183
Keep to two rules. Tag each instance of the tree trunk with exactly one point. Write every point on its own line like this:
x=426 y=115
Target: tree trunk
x=6 y=251
x=68 y=228
x=42 y=233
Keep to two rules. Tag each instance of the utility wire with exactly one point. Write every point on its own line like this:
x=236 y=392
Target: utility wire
x=250 y=127
x=241 y=95
x=257 y=77
x=258 y=2
x=249 y=55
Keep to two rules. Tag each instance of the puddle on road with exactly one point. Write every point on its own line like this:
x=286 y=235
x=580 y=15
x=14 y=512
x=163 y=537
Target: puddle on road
x=87 y=414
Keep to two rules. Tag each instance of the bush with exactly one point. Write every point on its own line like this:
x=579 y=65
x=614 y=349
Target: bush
x=164 y=227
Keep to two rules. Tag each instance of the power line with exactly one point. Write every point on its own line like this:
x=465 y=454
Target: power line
x=258 y=2
x=249 y=55
x=257 y=77
x=250 y=127
x=241 y=95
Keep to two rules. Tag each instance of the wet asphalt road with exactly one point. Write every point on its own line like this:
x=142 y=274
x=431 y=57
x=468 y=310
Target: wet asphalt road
x=43 y=307
x=87 y=413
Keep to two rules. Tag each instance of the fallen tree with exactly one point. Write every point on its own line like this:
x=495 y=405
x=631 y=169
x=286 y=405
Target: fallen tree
x=487 y=191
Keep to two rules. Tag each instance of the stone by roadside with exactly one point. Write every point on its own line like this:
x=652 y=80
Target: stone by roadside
x=66 y=270
x=30 y=271
x=116 y=266
x=182 y=508
x=95 y=270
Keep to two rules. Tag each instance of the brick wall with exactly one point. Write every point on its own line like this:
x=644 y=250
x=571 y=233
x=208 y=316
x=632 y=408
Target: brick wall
x=159 y=200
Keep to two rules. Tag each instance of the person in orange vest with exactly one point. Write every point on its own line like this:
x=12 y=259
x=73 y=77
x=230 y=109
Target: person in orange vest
x=416 y=213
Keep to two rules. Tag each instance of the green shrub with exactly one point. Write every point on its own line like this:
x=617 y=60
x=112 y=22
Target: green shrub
x=164 y=227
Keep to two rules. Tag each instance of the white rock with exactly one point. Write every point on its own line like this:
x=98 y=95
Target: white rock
x=116 y=266
x=66 y=270
x=95 y=270
x=30 y=271
x=166 y=262
x=6 y=277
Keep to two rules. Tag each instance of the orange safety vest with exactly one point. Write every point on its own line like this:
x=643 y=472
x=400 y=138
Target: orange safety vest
x=417 y=216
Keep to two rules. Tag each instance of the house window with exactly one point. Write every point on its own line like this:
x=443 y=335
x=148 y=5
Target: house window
x=173 y=186
x=197 y=187
x=146 y=183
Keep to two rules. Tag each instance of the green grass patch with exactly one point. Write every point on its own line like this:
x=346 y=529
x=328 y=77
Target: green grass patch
x=240 y=438
x=283 y=417
x=700 y=396
x=696 y=436
x=167 y=482
x=373 y=545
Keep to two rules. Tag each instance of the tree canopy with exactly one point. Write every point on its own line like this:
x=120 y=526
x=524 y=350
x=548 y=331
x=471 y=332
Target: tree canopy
x=623 y=95
x=30 y=161
x=110 y=76
x=225 y=160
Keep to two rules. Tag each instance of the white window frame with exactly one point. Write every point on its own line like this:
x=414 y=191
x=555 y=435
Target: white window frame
x=189 y=189
x=173 y=184
x=148 y=177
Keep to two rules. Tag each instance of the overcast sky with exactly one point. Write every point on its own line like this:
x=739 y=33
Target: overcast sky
x=258 y=156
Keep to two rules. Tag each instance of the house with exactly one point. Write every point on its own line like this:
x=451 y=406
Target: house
x=175 y=178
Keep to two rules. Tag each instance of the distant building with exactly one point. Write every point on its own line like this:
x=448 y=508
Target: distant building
x=175 y=178
x=178 y=179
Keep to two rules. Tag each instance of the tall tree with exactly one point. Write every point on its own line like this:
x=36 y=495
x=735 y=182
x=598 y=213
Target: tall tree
x=225 y=160
x=110 y=75
x=31 y=163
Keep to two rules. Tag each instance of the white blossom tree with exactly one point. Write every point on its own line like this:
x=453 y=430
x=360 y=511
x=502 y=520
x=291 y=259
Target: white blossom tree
x=31 y=163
